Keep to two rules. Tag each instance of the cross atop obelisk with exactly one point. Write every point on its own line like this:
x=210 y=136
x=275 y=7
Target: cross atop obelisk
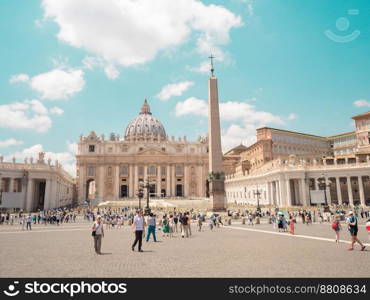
x=212 y=67
x=216 y=176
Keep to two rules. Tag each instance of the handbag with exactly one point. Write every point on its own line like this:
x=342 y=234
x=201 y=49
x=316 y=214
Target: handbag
x=93 y=233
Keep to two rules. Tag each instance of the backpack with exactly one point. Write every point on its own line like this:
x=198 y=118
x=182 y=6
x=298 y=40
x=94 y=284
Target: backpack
x=184 y=220
x=334 y=225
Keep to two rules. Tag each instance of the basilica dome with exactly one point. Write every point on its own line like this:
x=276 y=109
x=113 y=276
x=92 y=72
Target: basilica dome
x=145 y=126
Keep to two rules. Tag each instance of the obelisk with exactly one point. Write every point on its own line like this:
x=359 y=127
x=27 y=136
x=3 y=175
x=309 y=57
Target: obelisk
x=216 y=177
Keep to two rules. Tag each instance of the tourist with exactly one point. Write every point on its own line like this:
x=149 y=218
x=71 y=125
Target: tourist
x=189 y=223
x=175 y=221
x=184 y=225
x=368 y=227
x=200 y=222
x=138 y=226
x=171 y=225
x=28 y=222
x=151 y=227
x=166 y=227
x=250 y=219
x=336 y=227
x=353 y=229
x=23 y=221
x=210 y=223
x=98 y=234
x=273 y=221
x=291 y=225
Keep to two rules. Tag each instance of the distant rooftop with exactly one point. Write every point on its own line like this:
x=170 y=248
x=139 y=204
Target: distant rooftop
x=367 y=114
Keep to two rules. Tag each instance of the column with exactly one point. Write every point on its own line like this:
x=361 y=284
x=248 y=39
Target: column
x=30 y=191
x=100 y=186
x=136 y=179
x=117 y=184
x=159 y=179
x=53 y=190
x=327 y=191
x=145 y=172
x=47 y=202
x=281 y=192
x=186 y=180
x=278 y=193
x=168 y=181
x=316 y=183
x=201 y=181
x=361 y=190
x=131 y=181
x=146 y=191
x=304 y=192
x=173 y=180
x=339 y=191
x=349 y=188
x=288 y=193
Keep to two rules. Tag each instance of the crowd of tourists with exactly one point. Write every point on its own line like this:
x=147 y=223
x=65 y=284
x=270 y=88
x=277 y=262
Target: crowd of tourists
x=26 y=220
x=173 y=223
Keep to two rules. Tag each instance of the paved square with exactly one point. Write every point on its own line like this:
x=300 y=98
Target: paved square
x=230 y=251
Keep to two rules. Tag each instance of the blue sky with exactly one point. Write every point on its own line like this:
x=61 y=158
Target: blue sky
x=68 y=67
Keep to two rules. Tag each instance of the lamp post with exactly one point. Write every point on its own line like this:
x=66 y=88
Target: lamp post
x=323 y=186
x=140 y=195
x=258 y=194
x=146 y=184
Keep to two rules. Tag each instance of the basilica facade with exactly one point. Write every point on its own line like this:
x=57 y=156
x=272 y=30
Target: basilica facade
x=114 y=168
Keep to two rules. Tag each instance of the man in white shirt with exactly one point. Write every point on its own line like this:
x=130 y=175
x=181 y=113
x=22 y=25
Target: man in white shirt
x=29 y=222
x=138 y=227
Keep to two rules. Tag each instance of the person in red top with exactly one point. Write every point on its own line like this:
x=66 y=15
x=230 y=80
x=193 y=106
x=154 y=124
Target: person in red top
x=336 y=227
x=368 y=227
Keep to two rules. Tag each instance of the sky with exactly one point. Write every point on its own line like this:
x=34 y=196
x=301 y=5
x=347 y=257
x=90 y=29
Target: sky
x=72 y=66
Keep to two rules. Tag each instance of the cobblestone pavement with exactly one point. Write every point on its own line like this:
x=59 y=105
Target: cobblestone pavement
x=67 y=251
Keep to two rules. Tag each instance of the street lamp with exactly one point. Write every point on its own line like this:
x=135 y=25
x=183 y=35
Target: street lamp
x=140 y=195
x=322 y=186
x=258 y=194
x=146 y=185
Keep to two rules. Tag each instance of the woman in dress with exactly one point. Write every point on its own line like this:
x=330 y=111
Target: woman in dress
x=166 y=227
x=336 y=227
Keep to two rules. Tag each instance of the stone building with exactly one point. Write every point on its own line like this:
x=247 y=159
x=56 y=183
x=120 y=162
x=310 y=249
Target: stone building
x=286 y=168
x=34 y=185
x=112 y=169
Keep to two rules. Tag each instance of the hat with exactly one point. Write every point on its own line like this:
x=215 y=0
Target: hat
x=350 y=212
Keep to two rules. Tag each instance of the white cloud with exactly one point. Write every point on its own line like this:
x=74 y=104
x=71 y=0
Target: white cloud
x=174 y=89
x=66 y=159
x=19 y=78
x=126 y=32
x=10 y=142
x=292 y=116
x=235 y=135
x=204 y=67
x=245 y=119
x=37 y=107
x=90 y=62
x=111 y=72
x=56 y=110
x=22 y=115
x=362 y=103
x=229 y=111
x=29 y=114
x=250 y=8
x=192 y=106
x=58 y=84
